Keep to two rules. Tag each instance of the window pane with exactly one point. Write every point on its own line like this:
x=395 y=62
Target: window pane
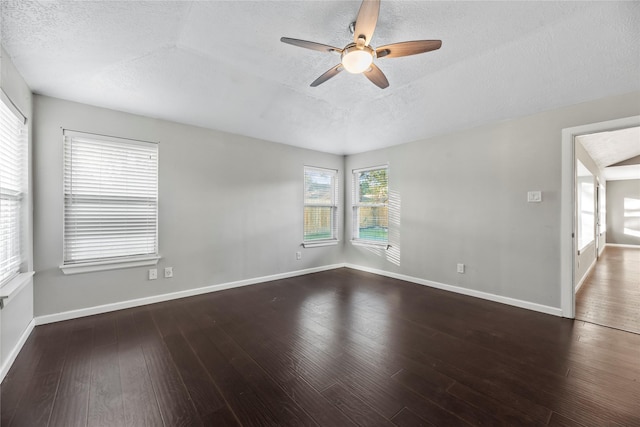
x=373 y=223
x=318 y=223
x=373 y=186
x=318 y=187
x=13 y=168
x=586 y=200
x=111 y=199
x=320 y=204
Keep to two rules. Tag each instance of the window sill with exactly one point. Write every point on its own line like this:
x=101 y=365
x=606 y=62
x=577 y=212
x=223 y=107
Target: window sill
x=319 y=244
x=13 y=286
x=370 y=244
x=88 y=267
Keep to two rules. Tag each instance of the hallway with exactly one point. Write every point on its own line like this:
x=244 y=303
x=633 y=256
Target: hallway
x=610 y=296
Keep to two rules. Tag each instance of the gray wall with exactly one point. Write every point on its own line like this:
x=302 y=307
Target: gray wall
x=230 y=208
x=15 y=317
x=462 y=198
x=619 y=218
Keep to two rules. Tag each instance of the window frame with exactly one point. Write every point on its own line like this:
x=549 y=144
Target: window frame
x=70 y=266
x=356 y=205
x=333 y=240
x=17 y=274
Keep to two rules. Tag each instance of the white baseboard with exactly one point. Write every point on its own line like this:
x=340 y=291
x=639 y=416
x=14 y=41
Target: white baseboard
x=14 y=352
x=74 y=314
x=620 y=245
x=556 y=311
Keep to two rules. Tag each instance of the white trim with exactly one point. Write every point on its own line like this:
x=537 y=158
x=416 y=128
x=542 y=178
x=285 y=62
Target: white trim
x=74 y=314
x=82 y=134
x=14 y=286
x=464 y=291
x=567 y=294
x=370 y=168
x=320 y=243
x=370 y=244
x=622 y=245
x=16 y=350
x=87 y=267
x=586 y=274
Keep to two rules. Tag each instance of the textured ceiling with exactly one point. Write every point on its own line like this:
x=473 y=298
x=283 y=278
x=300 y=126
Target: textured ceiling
x=609 y=149
x=220 y=64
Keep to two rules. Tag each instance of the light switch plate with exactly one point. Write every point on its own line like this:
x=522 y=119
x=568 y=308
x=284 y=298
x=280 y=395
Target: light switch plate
x=534 y=196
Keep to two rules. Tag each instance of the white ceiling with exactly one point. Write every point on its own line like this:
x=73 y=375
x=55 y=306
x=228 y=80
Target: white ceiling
x=609 y=148
x=220 y=64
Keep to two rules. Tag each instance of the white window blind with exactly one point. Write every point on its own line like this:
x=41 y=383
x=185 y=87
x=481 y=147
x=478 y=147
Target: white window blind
x=320 y=204
x=371 y=205
x=13 y=169
x=110 y=198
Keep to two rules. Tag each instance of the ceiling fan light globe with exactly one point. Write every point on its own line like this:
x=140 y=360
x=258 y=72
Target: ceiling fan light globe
x=357 y=61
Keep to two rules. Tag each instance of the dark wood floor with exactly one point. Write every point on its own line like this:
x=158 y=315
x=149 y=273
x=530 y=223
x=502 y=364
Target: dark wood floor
x=338 y=348
x=610 y=296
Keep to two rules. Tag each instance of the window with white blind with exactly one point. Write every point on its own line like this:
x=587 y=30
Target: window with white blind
x=13 y=183
x=320 y=206
x=371 y=205
x=110 y=202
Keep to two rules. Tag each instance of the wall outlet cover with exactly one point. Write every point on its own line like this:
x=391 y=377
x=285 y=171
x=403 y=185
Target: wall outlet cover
x=460 y=268
x=168 y=272
x=534 y=196
x=153 y=273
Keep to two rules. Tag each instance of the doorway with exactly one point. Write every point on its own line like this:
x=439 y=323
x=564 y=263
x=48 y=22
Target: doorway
x=568 y=241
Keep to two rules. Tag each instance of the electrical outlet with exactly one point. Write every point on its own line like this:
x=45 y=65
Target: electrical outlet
x=168 y=272
x=460 y=268
x=153 y=274
x=298 y=255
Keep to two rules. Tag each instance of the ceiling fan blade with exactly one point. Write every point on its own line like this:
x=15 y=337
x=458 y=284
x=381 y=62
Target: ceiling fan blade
x=366 y=20
x=327 y=75
x=310 y=45
x=396 y=50
x=377 y=77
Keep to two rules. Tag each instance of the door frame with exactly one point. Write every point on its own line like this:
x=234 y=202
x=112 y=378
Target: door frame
x=568 y=201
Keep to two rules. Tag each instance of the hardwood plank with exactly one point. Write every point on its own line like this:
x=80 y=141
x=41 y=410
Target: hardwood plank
x=106 y=407
x=558 y=420
x=140 y=404
x=35 y=407
x=223 y=417
x=504 y=413
x=243 y=401
x=173 y=398
x=406 y=418
x=18 y=378
x=354 y=408
x=287 y=410
x=201 y=389
x=437 y=394
x=72 y=398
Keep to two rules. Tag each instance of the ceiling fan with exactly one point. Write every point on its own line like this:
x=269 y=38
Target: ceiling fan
x=358 y=57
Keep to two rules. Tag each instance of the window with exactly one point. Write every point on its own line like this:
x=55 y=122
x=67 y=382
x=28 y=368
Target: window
x=371 y=205
x=110 y=202
x=586 y=205
x=320 y=206
x=13 y=183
